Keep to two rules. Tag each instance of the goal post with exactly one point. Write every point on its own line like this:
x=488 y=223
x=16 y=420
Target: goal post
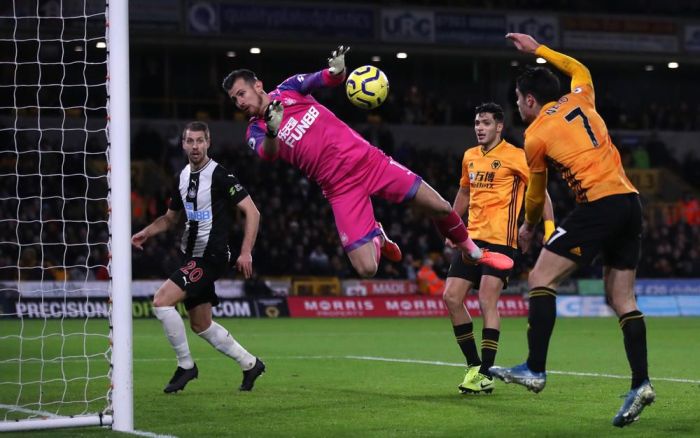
x=120 y=182
x=65 y=227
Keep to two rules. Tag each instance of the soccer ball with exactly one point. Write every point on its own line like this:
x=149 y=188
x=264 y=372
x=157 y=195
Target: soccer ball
x=367 y=87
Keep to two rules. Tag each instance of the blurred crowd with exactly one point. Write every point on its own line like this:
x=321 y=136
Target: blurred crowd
x=297 y=235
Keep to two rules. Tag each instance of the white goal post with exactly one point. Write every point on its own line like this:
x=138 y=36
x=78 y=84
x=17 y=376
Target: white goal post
x=65 y=215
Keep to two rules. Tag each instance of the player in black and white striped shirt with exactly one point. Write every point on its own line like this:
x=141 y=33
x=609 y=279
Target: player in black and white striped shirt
x=207 y=193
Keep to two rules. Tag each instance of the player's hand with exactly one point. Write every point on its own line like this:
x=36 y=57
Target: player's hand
x=273 y=117
x=138 y=239
x=525 y=235
x=336 y=63
x=523 y=42
x=450 y=244
x=244 y=264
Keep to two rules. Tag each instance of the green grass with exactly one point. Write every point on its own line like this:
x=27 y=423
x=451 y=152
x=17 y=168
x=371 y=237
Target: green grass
x=312 y=387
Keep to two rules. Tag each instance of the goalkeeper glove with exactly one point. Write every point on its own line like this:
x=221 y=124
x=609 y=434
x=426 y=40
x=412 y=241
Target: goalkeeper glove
x=548 y=230
x=336 y=63
x=273 y=117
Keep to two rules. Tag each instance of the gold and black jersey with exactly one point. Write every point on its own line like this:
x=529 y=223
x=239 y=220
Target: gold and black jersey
x=496 y=181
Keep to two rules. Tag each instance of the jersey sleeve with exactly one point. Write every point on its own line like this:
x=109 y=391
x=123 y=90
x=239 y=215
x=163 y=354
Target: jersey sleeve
x=228 y=182
x=255 y=137
x=305 y=83
x=175 y=202
x=535 y=153
x=520 y=166
x=464 y=180
x=579 y=73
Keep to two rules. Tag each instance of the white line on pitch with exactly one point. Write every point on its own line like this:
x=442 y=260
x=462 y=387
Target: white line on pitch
x=13 y=408
x=566 y=373
x=148 y=434
x=426 y=362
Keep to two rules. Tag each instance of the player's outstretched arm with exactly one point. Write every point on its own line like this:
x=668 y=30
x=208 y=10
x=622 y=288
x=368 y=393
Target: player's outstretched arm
x=578 y=72
x=244 y=263
x=162 y=223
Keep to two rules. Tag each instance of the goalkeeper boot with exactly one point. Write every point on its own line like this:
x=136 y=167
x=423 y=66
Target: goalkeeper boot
x=390 y=249
x=249 y=376
x=479 y=384
x=522 y=375
x=635 y=401
x=495 y=260
x=180 y=379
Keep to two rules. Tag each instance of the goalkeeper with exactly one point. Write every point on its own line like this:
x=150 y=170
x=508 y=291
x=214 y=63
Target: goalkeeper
x=288 y=123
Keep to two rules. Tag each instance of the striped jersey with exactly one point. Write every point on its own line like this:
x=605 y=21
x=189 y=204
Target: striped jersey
x=496 y=181
x=208 y=196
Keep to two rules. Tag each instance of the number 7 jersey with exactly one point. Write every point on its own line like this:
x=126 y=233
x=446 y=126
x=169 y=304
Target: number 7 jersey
x=572 y=136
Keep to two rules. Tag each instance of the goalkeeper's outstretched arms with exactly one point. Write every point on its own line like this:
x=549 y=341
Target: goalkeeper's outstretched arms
x=162 y=223
x=332 y=76
x=578 y=72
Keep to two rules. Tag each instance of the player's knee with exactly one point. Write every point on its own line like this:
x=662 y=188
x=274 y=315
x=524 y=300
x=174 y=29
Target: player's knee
x=366 y=268
x=442 y=208
x=199 y=326
x=452 y=299
x=159 y=301
x=537 y=279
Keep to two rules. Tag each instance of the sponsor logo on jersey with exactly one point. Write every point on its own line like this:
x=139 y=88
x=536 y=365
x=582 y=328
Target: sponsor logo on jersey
x=196 y=215
x=294 y=130
x=234 y=189
x=482 y=180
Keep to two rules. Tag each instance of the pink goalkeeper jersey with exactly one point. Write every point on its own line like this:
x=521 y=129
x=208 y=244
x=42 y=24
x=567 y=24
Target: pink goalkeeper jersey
x=311 y=137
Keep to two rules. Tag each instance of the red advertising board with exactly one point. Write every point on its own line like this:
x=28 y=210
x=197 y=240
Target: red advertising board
x=399 y=306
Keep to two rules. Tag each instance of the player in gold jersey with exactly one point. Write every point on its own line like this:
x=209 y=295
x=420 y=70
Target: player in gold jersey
x=492 y=187
x=568 y=132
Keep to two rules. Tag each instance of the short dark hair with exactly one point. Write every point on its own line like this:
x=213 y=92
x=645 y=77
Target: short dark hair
x=198 y=127
x=541 y=83
x=247 y=75
x=491 y=108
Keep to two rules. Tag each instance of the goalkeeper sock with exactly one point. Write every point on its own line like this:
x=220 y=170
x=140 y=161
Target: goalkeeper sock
x=464 y=333
x=222 y=340
x=634 y=331
x=175 y=332
x=452 y=227
x=540 y=321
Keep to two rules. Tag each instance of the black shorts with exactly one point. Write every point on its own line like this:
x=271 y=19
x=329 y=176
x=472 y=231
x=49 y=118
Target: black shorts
x=196 y=277
x=473 y=273
x=611 y=225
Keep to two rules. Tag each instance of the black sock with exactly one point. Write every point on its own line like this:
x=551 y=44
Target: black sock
x=465 y=338
x=489 y=348
x=543 y=314
x=634 y=332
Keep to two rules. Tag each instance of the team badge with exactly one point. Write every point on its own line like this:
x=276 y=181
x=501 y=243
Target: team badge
x=251 y=143
x=495 y=164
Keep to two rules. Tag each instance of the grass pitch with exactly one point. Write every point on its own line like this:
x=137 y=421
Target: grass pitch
x=394 y=378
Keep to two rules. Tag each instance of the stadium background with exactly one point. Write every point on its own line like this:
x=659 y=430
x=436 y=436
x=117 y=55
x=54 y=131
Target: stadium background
x=326 y=369
x=456 y=58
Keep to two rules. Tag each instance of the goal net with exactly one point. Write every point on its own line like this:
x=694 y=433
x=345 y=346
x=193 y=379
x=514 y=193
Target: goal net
x=57 y=207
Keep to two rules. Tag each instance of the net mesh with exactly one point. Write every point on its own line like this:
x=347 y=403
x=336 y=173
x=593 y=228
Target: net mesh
x=54 y=214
